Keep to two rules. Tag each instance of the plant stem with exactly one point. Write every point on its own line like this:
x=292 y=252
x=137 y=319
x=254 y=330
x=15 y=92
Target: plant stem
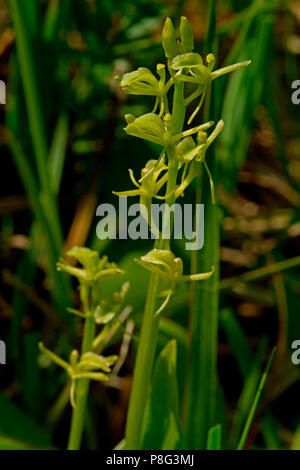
x=82 y=388
x=143 y=368
x=172 y=179
x=149 y=330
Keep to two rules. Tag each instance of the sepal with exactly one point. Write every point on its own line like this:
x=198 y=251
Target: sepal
x=169 y=41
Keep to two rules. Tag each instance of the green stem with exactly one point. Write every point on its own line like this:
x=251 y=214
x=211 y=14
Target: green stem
x=143 y=367
x=149 y=330
x=164 y=244
x=82 y=389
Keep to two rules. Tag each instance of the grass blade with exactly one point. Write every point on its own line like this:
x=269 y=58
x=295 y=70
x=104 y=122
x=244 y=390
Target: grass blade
x=58 y=151
x=33 y=104
x=253 y=408
x=214 y=438
x=161 y=423
x=201 y=389
x=60 y=284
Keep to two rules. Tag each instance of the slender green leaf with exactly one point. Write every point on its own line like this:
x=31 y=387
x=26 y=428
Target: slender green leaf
x=33 y=104
x=58 y=151
x=253 y=408
x=161 y=428
x=214 y=438
x=201 y=385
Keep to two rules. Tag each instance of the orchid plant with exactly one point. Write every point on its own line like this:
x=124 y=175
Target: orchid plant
x=167 y=177
x=96 y=310
x=181 y=158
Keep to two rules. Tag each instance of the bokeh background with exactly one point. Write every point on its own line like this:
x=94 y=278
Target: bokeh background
x=63 y=151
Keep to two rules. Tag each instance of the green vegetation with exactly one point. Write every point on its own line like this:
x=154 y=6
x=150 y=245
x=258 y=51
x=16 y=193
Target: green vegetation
x=168 y=348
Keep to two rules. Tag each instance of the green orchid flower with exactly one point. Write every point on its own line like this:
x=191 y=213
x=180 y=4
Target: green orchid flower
x=153 y=128
x=149 y=185
x=93 y=268
x=143 y=82
x=189 y=68
x=170 y=268
x=190 y=154
x=150 y=182
x=89 y=366
x=140 y=82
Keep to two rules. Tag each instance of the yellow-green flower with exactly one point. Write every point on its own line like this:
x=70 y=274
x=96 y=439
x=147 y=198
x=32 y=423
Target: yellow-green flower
x=189 y=68
x=170 y=268
x=89 y=366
